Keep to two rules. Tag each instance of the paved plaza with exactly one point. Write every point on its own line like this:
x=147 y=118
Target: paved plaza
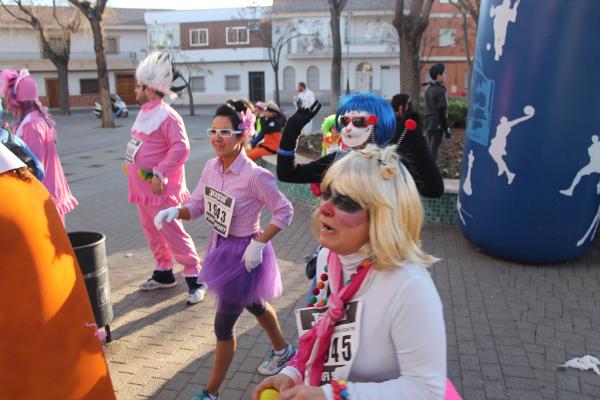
x=508 y=325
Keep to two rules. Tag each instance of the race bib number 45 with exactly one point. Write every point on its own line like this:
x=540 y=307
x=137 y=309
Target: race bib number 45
x=344 y=341
x=218 y=209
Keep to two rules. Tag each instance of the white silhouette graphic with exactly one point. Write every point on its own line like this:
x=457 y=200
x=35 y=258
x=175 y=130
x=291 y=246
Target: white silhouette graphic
x=498 y=144
x=467 y=188
x=502 y=15
x=592 y=167
x=591 y=232
x=460 y=210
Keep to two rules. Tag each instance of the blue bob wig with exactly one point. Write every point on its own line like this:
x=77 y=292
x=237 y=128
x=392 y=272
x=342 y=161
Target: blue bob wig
x=385 y=128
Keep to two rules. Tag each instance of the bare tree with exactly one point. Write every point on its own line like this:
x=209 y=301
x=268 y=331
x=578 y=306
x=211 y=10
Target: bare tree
x=469 y=10
x=274 y=37
x=59 y=52
x=275 y=45
x=410 y=29
x=94 y=15
x=470 y=7
x=335 y=10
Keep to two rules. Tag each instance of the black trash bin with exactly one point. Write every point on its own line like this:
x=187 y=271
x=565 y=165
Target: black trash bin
x=90 y=250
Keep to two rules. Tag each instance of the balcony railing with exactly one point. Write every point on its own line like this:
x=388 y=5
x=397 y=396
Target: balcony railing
x=365 y=39
x=77 y=55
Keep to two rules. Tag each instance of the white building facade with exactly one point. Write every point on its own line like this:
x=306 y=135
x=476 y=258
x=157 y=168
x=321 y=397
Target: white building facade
x=126 y=44
x=223 y=55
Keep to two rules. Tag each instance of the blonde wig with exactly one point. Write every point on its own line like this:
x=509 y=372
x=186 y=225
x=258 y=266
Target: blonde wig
x=376 y=179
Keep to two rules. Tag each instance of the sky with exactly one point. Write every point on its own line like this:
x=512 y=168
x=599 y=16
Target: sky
x=185 y=4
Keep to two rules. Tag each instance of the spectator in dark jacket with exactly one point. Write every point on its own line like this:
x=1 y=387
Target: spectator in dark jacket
x=436 y=110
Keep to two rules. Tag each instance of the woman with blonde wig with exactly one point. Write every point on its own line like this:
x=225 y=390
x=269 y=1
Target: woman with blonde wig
x=375 y=329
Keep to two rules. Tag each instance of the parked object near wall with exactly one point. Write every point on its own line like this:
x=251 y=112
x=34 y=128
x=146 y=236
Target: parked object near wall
x=119 y=108
x=530 y=177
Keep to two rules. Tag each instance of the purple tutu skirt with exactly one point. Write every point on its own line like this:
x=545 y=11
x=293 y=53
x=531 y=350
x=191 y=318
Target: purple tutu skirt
x=225 y=275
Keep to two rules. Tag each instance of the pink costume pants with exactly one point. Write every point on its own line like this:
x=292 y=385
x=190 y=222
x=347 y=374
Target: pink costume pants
x=171 y=241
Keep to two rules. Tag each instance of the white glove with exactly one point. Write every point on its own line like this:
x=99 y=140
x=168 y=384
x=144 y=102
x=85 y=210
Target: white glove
x=253 y=255
x=167 y=215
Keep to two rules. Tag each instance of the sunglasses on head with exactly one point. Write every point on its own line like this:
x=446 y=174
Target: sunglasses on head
x=340 y=201
x=221 y=132
x=358 y=121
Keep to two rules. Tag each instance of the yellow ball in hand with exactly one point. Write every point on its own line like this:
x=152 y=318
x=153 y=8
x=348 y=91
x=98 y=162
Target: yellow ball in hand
x=269 y=394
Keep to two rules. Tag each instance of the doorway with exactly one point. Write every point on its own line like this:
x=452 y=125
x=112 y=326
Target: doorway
x=256 y=83
x=364 y=77
x=53 y=92
x=126 y=87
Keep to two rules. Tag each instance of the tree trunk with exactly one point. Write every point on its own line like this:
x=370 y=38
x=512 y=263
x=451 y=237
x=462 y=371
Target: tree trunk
x=107 y=116
x=188 y=86
x=409 y=67
x=191 y=96
x=63 y=79
x=276 y=71
x=336 y=61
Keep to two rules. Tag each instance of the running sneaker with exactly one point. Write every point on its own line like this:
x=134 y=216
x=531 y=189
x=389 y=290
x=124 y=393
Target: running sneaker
x=159 y=280
x=196 y=295
x=204 y=395
x=275 y=363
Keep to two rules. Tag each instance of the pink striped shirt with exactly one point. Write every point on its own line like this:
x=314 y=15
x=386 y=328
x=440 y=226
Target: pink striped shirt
x=252 y=187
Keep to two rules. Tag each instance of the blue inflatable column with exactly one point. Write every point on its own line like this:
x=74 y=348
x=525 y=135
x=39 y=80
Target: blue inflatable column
x=530 y=176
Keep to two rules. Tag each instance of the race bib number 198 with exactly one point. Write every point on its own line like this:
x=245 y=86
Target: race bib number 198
x=218 y=209
x=133 y=146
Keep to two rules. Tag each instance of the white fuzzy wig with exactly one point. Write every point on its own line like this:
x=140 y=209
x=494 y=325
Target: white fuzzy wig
x=156 y=72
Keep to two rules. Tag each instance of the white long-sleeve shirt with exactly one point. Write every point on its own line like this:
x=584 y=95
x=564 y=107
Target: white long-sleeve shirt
x=402 y=350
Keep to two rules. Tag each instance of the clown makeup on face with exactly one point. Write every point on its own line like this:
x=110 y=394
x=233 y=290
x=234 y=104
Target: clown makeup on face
x=344 y=224
x=353 y=135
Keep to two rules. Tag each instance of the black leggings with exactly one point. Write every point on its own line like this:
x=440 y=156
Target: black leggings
x=225 y=322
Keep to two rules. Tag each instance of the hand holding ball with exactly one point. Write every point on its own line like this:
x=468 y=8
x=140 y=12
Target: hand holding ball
x=269 y=394
x=529 y=110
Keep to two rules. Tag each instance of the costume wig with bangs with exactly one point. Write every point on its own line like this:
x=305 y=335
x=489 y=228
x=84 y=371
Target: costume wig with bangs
x=386 y=118
x=392 y=201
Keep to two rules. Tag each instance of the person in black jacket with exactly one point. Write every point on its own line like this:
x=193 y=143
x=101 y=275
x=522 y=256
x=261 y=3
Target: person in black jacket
x=376 y=122
x=436 y=110
x=413 y=148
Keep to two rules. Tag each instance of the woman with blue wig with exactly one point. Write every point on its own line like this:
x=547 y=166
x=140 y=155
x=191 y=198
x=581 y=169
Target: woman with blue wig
x=362 y=118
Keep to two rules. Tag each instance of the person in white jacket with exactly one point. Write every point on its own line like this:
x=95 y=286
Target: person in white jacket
x=382 y=335
x=304 y=99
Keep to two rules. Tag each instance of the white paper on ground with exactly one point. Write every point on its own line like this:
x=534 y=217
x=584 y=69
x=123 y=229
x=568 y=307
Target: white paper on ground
x=583 y=363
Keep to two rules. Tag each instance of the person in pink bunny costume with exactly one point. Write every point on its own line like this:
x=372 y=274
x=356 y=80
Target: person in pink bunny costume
x=155 y=158
x=37 y=128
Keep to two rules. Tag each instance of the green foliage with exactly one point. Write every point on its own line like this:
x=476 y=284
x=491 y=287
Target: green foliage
x=457 y=112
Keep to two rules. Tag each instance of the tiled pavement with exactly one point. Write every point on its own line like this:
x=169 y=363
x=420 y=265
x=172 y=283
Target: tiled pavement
x=508 y=325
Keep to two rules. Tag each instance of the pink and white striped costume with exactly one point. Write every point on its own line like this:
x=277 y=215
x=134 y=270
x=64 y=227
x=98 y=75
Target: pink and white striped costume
x=163 y=150
x=41 y=139
x=253 y=188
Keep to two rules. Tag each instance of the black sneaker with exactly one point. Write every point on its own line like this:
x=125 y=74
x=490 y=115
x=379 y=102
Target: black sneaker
x=161 y=279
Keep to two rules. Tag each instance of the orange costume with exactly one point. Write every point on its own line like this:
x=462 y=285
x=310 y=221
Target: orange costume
x=48 y=343
x=266 y=142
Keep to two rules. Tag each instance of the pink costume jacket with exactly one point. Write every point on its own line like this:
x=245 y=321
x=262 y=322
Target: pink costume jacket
x=41 y=139
x=163 y=151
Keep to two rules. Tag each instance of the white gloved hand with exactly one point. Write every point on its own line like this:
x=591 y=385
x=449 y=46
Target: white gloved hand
x=253 y=255
x=167 y=215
